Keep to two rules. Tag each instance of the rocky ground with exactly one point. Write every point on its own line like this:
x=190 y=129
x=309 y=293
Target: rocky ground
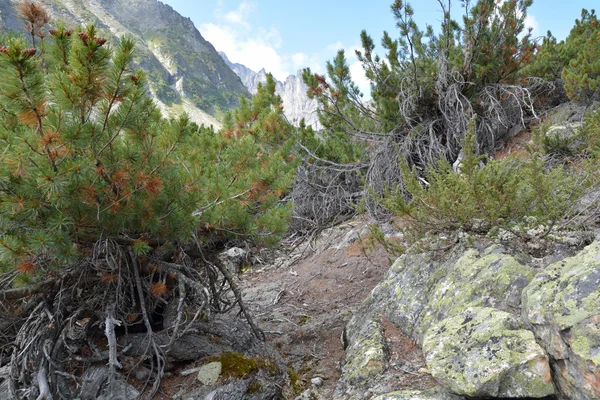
x=304 y=299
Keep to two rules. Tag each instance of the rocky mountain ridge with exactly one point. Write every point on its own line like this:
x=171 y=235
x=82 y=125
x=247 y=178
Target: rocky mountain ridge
x=296 y=103
x=185 y=72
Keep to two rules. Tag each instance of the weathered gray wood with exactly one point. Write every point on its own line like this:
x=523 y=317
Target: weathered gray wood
x=95 y=386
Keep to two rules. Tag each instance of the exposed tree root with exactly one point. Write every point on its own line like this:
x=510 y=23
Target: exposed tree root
x=70 y=323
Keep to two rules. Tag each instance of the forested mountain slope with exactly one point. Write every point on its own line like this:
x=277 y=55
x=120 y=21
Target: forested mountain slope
x=185 y=71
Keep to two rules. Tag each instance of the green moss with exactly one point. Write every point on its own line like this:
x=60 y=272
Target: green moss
x=295 y=381
x=255 y=387
x=235 y=365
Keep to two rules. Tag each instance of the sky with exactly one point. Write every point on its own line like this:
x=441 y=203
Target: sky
x=284 y=36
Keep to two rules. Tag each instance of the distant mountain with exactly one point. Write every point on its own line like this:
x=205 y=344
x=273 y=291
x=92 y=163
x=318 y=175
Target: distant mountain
x=185 y=71
x=296 y=103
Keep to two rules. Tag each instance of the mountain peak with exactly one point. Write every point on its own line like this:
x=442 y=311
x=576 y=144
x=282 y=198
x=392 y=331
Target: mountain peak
x=296 y=103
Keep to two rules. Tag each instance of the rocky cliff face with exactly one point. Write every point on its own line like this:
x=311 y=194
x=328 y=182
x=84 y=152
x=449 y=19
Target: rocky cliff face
x=185 y=71
x=296 y=103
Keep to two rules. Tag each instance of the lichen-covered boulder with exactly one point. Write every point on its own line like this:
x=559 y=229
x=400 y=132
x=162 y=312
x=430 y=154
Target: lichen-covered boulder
x=366 y=357
x=488 y=278
x=433 y=394
x=401 y=296
x=420 y=290
x=485 y=352
x=562 y=307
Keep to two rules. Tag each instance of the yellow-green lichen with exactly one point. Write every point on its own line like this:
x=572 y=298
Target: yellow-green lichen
x=235 y=365
x=367 y=356
x=484 y=348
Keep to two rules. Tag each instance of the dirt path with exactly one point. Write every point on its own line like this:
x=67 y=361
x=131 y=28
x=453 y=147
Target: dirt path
x=304 y=299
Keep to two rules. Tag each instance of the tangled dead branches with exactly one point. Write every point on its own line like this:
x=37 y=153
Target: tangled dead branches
x=325 y=193
x=503 y=111
x=59 y=328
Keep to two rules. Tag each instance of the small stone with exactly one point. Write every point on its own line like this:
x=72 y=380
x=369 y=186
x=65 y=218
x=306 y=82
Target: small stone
x=142 y=373
x=318 y=381
x=209 y=373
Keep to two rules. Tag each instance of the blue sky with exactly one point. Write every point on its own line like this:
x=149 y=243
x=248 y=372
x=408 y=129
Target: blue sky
x=283 y=36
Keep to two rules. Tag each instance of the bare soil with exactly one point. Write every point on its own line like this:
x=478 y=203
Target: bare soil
x=303 y=295
x=304 y=300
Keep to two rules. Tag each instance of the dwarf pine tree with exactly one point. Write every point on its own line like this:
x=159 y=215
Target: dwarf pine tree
x=582 y=75
x=571 y=62
x=426 y=85
x=102 y=196
x=86 y=154
x=482 y=199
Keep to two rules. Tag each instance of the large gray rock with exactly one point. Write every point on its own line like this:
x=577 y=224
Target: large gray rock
x=484 y=352
x=95 y=386
x=419 y=290
x=422 y=292
x=562 y=306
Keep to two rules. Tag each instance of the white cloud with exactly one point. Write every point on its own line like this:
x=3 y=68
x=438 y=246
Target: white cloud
x=531 y=22
x=300 y=60
x=357 y=73
x=240 y=15
x=252 y=46
x=259 y=47
x=256 y=51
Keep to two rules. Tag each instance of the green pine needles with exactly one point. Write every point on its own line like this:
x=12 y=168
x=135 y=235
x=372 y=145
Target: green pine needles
x=85 y=154
x=483 y=195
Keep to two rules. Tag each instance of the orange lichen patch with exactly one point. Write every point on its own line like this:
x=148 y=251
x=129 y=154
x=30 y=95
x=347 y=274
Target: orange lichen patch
x=593 y=379
x=541 y=360
x=158 y=289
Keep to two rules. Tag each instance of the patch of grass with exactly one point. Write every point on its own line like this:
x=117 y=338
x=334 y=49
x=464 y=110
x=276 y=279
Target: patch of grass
x=295 y=381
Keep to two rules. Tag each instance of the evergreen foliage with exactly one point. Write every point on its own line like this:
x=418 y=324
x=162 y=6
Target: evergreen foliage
x=104 y=198
x=425 y=90
x=480 y=199
x=572 y=60
x=86 y=154
x=582 y=75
